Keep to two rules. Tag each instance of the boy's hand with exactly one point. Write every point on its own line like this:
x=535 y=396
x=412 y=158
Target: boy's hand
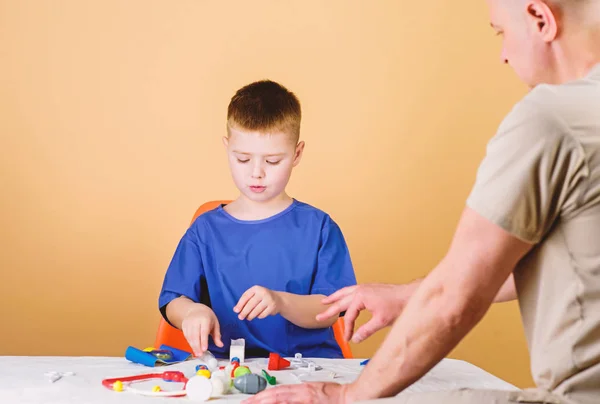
x=257 y=302
x=198 y=323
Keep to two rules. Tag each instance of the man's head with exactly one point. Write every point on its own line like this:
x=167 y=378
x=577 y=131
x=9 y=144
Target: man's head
x=547 y=41
x=263 y=128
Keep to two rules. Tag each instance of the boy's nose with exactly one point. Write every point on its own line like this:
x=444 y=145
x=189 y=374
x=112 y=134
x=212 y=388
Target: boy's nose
x=258 y=171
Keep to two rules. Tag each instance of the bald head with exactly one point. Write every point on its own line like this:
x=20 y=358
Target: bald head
x=548 y=41
x=580 y=13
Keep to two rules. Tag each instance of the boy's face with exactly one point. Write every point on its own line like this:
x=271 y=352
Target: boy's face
x=261 y=164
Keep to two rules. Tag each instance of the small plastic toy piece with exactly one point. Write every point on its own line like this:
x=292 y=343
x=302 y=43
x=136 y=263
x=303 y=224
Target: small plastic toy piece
x=118 y=386
x=250 y=383
x=303 y=363
x=55 y=376
x=234 y=366
x=363 y=363
x=241 y=371
x=165 y=355
x=209 y=360
x=270 y=379
x=276 y=362
x=237 y=349
x=199 y=388
x=156 y=389
x=204 y=373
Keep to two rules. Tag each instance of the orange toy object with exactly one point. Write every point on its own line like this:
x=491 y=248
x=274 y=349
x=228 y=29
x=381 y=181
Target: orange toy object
x=276 y=362
x=168 y=335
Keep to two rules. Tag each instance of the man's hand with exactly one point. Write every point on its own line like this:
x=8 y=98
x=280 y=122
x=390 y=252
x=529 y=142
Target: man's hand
x=384 y=301
x=257 y=302
x=305 y=393
x=198 y=323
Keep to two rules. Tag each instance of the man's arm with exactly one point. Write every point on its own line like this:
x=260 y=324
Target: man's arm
x=444 y=308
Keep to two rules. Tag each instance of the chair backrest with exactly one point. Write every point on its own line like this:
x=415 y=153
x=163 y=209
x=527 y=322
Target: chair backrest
x=173 y=337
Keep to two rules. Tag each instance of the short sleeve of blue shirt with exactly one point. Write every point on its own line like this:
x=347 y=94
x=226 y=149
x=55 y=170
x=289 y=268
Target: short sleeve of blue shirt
x=300 y=250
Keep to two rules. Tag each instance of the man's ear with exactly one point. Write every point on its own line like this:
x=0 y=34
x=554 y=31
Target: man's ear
x=298 y=153
x=544 y=20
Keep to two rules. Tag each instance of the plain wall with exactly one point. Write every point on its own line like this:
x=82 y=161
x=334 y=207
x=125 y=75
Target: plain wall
x=111 y=118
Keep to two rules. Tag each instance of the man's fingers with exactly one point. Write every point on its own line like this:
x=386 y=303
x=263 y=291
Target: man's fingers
x=350 y=319
x=289 y=394
x=336 y=308
x=334 y=297
x=366 y=330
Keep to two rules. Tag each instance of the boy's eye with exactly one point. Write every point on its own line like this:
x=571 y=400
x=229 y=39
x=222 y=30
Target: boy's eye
x=273 y=163
x=243 y=161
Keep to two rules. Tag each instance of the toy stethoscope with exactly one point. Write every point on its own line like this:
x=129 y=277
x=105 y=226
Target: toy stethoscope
x=124 y=383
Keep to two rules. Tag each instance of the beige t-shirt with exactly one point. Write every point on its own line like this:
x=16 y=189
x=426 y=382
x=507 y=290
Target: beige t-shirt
x=540 y=181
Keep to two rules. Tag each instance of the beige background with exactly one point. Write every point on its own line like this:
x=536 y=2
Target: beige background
x=111 y=114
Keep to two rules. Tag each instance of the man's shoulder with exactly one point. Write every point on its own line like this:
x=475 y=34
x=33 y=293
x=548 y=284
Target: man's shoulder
x=559 y=104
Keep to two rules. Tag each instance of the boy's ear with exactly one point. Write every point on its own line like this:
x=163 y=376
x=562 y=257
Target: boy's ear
x=225 y=141
x=298 y=153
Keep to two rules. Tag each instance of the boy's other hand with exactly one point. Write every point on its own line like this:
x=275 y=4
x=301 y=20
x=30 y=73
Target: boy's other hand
x=257 y=302
x=198 y=323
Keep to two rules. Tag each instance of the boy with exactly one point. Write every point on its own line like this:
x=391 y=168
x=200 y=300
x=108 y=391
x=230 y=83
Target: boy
x=267 y=259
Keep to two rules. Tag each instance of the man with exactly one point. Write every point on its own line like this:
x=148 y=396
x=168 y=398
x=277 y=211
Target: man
x=532 y=220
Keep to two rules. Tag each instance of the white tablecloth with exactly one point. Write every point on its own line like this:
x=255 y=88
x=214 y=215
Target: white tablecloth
x=22 y=379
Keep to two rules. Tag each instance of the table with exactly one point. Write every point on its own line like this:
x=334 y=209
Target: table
x=22 y=379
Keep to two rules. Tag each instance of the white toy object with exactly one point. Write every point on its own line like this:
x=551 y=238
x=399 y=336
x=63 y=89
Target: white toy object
x=199 y=388
x=55 y=376
x=218 y=386
x=298 y=362
x=237 y=349
x=209 y=360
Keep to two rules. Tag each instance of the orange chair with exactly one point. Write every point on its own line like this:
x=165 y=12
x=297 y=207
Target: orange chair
x=171 y=336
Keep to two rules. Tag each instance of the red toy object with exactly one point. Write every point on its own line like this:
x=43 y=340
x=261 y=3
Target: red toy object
x=122 y=383
x=276 y=362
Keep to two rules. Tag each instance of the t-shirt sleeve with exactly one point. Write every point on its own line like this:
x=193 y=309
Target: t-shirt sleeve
x=184 y=273
x=530 y=173
x=334 y=266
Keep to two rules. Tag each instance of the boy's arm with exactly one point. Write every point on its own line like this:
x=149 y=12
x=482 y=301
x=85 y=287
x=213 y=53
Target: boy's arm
x=177 y=309
x=302 y=310
x=334 y=271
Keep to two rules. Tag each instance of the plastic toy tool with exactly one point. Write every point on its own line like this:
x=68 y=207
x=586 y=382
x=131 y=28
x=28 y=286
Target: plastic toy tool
x=166 y=355
x=276 y=362
x=124 y=383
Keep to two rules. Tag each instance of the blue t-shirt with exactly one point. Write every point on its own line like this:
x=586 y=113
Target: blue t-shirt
x=300 y=250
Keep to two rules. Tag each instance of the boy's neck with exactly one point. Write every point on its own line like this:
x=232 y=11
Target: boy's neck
x=245 y=209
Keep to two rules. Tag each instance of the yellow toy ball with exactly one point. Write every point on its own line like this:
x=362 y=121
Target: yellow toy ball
x=204 y=372
x=118 y=386
x=155 y=389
